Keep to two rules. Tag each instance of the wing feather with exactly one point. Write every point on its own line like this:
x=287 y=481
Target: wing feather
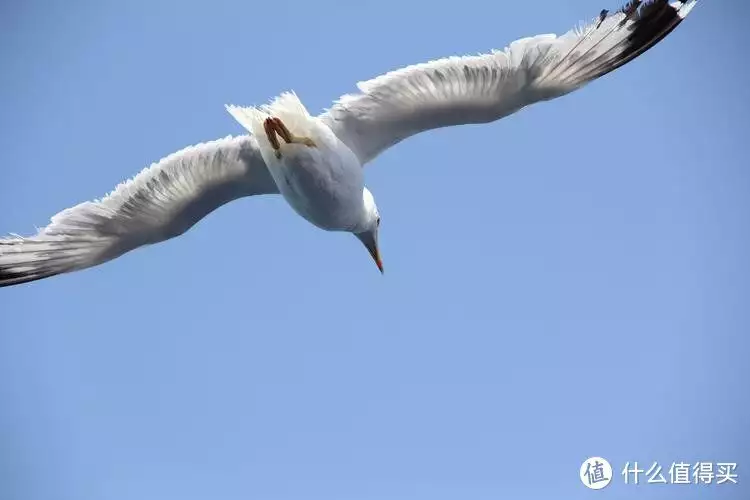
x=485 y=88
x=161 y=202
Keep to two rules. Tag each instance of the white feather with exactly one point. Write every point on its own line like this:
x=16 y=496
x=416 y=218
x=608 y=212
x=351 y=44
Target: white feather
x=484 y=88
x=286 y=107
x=161 y=202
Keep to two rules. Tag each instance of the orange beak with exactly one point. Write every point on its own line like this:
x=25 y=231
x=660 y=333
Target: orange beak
x=370 y=241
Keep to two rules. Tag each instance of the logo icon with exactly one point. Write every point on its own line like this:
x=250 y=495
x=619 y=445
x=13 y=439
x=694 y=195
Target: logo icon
x=595 y=473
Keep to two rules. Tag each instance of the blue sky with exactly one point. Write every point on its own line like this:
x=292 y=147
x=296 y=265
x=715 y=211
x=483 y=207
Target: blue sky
x=569 y=282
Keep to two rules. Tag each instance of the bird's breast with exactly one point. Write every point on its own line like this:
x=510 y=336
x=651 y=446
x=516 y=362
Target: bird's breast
x=321 y=184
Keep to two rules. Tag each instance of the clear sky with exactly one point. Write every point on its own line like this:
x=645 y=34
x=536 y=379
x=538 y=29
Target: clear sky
x=572 y=281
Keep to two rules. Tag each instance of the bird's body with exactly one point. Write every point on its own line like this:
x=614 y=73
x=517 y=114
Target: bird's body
x=322 y=183
x=316 y=162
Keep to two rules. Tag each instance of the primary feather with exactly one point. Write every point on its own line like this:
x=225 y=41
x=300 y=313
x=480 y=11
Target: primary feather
x=484 y=88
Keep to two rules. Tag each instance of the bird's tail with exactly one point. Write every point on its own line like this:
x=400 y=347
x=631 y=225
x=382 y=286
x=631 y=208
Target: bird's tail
x=286 y=106
x=251 y=118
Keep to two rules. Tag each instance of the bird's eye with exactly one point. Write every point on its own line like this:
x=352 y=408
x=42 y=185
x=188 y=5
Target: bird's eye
x=378 y=222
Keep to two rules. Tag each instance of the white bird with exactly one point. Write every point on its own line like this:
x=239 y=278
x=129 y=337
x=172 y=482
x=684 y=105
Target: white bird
x=316 y=162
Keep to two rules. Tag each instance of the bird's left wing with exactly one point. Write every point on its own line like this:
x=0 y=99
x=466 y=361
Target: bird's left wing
x=484 y=88
x=161 y=202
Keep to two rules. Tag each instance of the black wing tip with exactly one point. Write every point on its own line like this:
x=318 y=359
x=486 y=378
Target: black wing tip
x=639 y=6
x=17 y=272
x=650 y=21
x=657 y=15
x=9 y=277
x=654 y=20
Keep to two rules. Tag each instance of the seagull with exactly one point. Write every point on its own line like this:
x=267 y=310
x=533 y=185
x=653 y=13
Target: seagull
x=316 y=162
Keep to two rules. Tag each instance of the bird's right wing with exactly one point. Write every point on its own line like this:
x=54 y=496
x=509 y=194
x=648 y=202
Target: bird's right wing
x=161 y=202
x=487 y=87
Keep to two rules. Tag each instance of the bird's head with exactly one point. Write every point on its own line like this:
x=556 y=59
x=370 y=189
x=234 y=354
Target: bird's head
x=368 y=235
